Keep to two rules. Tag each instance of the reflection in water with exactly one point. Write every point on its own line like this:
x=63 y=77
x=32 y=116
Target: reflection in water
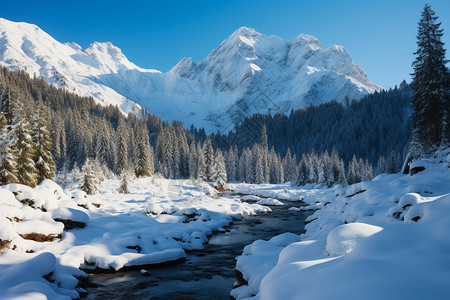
x=206 y=274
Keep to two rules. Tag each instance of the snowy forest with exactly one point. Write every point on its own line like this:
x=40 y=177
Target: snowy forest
x=327 y=144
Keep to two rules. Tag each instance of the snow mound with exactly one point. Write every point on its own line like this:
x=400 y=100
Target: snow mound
x=39 y=226
x=7 y=232
x=67 y=214
x=344 y=238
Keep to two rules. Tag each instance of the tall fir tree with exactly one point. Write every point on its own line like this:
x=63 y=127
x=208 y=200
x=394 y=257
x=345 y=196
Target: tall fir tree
x=219 y=176
x=121 y=164
x=43 y=157
x=208 y=152
x=25 y=151
x=8 y=165
x=430 y=85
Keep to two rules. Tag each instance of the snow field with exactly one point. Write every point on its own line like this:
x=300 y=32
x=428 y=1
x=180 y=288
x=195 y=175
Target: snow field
x=156 y=223
x=383 y=239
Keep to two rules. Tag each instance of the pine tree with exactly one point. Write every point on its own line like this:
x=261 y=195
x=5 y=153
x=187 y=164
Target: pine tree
x=303 y=170
x=381 y=165
x=219 y=176
x=121 y=163
x=25 y=151
x=90 y=180
x=104 y=147
x=430 y=84
x=124 y=185
x=8 y=166
x=43 y=158
x=353 y=171
x=263 y=154
x=208 y=152
x=201 y=164
x=193 y=161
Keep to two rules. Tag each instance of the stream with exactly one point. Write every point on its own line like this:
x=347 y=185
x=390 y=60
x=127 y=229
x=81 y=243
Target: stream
x=206 y=274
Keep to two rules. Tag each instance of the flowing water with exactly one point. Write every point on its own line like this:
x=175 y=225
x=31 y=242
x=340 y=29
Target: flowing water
x=206 y=274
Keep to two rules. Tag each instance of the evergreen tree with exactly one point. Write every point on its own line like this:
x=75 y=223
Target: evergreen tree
x=430 y=84
x=25 y=151
x=90 y=180
x=124 y=185
x=219 y=176
x=43 y=158
x=381 y=165
x=302 y=172
x=208 y=152
x=201 y=164
x=193 y=161
x=8 y=166
x=121 y=163
x=353 y=171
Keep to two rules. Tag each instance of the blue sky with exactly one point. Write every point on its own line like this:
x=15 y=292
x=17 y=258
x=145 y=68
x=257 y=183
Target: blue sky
x=380 y=34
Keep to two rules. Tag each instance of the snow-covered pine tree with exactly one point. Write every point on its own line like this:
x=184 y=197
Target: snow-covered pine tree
x=335 y=166
x=219 y=176
x=183 y=151
x=290 y=167
x=230 y=161
x=258 y=156
x=242 y=176
x=313 y=167
x=25 y=151
x=392 y=164
x=104 y=146
x=381 y=165
x=263 y=154
x=201 y=164
x=121 y=164
x=90 y=181
x=193 y=161
x=353 y=169
x=8 y=166
x=208 y=152
x=123 y=189
x=43 y=157
x=303 y=170
x=144 y=156
x=342 y=179
x=249 y=163
x=430 y=85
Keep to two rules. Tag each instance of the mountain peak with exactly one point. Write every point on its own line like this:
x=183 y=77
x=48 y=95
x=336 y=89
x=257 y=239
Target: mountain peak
x=247 y=73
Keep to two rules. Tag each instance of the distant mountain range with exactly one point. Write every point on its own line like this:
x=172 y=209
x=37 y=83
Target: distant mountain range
x=247 y=73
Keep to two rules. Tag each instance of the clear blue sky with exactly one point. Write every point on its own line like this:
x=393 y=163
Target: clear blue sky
x=380 y=34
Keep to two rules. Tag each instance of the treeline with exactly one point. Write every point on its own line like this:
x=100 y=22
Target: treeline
x=369 y=128
x=98 y=142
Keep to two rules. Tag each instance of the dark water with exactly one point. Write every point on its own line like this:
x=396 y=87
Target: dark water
x=206 y=274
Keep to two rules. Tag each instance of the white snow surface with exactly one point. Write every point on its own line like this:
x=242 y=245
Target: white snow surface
x=383 y=239
x=155 y=223
x=247 y=73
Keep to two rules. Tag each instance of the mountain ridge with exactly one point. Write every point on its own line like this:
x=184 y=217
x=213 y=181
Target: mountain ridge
x=247 y=73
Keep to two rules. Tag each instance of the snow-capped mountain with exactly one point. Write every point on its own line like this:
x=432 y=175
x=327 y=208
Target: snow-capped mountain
x=248 y=73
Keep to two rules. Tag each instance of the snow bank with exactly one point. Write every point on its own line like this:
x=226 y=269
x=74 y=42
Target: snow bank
x=279 y=191
x=156 y=223
x=40 y=277
x=269 y=201
x=383 y=239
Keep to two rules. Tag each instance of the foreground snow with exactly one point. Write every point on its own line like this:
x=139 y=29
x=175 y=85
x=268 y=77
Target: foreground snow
x=154 y=224
x=383 y=239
